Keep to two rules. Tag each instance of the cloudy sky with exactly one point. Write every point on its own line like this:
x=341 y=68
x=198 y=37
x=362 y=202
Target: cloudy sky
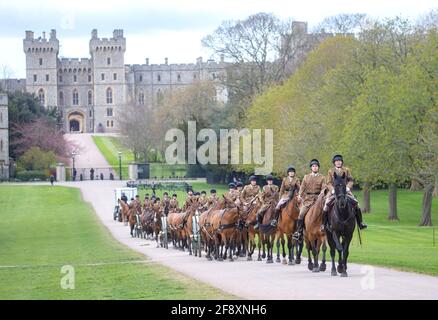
x=163 y=28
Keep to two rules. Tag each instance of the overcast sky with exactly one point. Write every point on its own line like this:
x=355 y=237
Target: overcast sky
x=161 y=28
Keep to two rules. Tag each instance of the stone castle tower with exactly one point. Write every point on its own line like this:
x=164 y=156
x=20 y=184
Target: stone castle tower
x=91 y=92
x=4 y=137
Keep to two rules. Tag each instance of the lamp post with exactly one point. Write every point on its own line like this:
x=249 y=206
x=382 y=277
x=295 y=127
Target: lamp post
x=73 y=154
x=120 y=165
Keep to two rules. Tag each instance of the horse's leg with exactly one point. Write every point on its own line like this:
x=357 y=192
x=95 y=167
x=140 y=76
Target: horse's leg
x=259 y=246
x=290 y=246
x=299 y=247
x=277 y=241
x=310 y=263
x=315 y=251
x=283 y=246
x=332 y=256
x=346 y=246
x=323 y=266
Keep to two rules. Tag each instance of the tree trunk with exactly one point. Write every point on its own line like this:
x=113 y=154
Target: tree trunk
x=415 y=185
x=366 y=198
x=426 y=219
x=393 y=202
x=435 y=191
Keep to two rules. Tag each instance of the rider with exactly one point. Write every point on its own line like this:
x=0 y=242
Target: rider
x=339 y=168
x=203 y=200
x=313 y=185
x=250 y=191
x=124 y=198
x=239 y=186
x=147 y=202
x=269 y=194
x=232 y=194
x=288 y=185
x=213 y=198
x=173 y=203
x=191 y=198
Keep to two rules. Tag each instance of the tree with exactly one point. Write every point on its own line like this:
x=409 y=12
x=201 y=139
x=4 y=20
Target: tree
x=344 y=23
x=36 y=159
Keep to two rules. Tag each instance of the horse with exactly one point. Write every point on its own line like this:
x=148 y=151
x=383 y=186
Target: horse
x=224 y=223
x=157 y=224
x=188 y=225
x=206 y=229
x=134 y=214
x=342 y=224
x=124 y=208
x=314 y=237
x=175 y=224
x=250 y=219
x=286 y=227
x=147 y=221
x=267 y=231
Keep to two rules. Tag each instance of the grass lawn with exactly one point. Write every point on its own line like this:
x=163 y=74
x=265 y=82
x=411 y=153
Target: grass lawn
x=53 y=227
x=397 y=244
x=110 y=146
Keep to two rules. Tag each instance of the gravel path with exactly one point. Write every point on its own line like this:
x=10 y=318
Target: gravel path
x=89 y=155
x=257 y=280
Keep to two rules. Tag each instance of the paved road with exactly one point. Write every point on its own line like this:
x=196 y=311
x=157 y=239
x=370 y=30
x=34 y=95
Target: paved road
x=257 y=280
x=89 y=155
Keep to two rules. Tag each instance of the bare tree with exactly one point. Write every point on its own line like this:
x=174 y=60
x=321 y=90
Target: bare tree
x=6 y=74
x=429 y=20
x=344 y=23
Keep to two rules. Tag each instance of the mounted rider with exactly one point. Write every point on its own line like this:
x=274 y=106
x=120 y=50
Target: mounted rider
x=288 y=185
x=173 y=203
x=203 y=201
x=268 y=196
x=339 y=168
x=213 y=198
x=312 y=186
x=250 y=191
x=191 y=198
x=124 y=198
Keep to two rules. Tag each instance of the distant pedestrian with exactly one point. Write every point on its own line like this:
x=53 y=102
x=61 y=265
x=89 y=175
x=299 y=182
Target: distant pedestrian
x=91 y=174
x=52 y=179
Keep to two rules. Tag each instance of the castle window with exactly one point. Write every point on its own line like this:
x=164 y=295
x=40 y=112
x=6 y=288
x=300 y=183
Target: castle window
x=1 y=116
x=60 y=78
x=107 y=123
x=115 y=76
x=90 y=113
x=159 y=97
x=75 y=78
x=34 y=78
x=109 y=96
x=41 y=61
x=102 y=76
x=179 y=78
x=42 y=97
x=47 y=77
x=159 y=78
x=108 y=61
x=90 y=98
x=61 y=98
x=109 y=112
x=140 y=78
x=89 y=78
x=194 y=76
x=75 y=97
x=1 y=145
x=112 y=123
x=141 y=98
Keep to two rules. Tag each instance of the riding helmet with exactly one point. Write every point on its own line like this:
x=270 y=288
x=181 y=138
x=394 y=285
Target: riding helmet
x=174 y=195
x=252 y=178
x=269 y=177
x=337 y=157
x=290 y=169
x=314 y=161
x=231 y=185
x=213 y=191
x=239 y=184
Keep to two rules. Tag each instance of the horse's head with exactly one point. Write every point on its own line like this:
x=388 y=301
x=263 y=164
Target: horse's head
x=340 y=187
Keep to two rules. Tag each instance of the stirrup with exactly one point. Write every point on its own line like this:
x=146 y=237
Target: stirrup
x=256 y=226
x=296 y=236
x=274 y=223
x=362 y=226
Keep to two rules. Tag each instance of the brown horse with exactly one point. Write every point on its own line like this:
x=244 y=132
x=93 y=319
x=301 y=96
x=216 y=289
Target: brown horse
x=124 y=208
x=286 y=227
x=206 y=228
x=134 y=214
x=158 y=212
x=250 y=218
x=313 y=236
x=188 y=225
x=224 y=224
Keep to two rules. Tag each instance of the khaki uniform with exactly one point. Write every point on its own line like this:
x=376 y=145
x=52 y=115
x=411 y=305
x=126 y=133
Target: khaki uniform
x=310 y=189
x=147 y=203
x=269 y=194
x=173 y=204
x=287 y=185
x=249 y=192
x=212 y=200
x=232 y=195
x=203 y=202
x=189 y=201
x=330 y=180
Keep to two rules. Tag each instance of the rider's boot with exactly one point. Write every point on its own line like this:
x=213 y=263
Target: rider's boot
x=259 y=221
x=359 y=218
x=277 y=215
x=299 y=233
x=324 y=225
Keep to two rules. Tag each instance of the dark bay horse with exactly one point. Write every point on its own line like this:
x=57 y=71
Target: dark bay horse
x=343 y=222
x=267 y=231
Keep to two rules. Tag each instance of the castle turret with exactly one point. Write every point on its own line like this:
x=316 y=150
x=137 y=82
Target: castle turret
x=108 y=65
x=41 y=67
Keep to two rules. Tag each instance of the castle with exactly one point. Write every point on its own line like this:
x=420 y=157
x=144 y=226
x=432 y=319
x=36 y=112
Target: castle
x=90 y=92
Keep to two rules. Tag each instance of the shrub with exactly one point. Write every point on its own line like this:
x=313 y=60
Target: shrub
x=31 y=175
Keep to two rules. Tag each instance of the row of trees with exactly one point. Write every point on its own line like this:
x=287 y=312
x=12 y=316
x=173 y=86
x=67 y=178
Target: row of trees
x=372 y=98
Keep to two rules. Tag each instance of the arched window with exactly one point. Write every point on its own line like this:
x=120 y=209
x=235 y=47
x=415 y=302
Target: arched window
x=90 y=98
x=159 y=97
x=179 y=78
x=141 y=98
x=1 y=145
x=109 y=96
x=61 y=98
x=42 y=97
x=75 y=97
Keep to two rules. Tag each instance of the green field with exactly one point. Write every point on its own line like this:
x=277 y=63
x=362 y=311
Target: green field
x=110 y=146
x=53 y=227
x=397 y=244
